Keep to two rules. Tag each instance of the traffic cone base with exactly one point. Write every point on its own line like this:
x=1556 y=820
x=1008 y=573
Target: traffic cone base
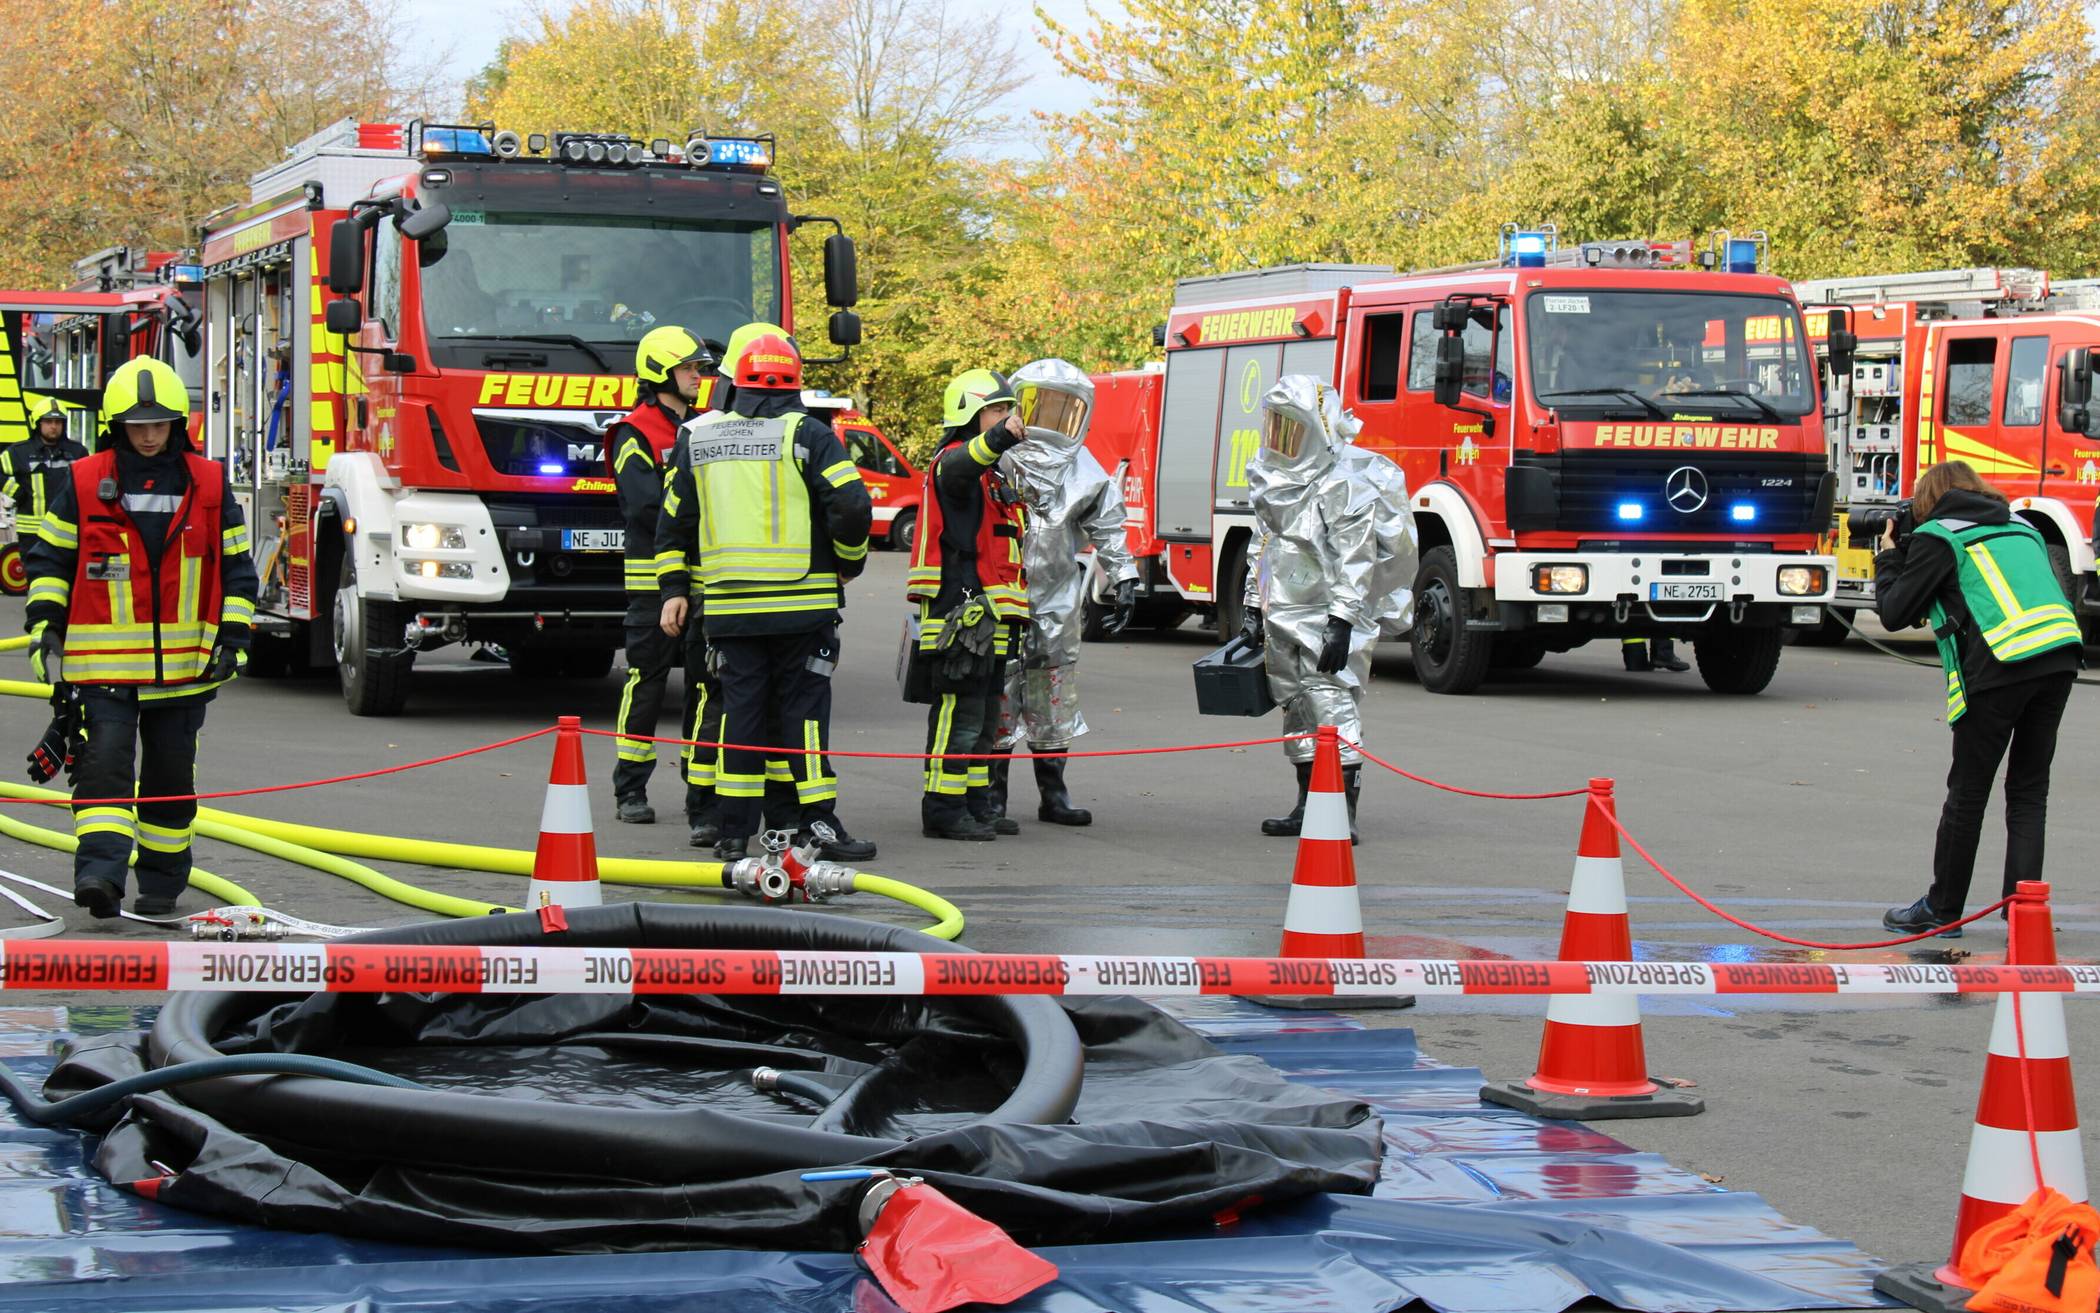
x=1323 y=917
x=1918 y=1285
x=1592 y=1065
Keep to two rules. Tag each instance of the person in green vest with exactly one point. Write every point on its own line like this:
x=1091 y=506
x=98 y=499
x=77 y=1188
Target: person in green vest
x=2010 y=648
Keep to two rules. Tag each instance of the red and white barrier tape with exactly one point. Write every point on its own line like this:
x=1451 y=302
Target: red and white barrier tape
x=373 y=968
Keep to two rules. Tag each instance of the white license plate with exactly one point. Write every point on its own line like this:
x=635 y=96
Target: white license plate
x=594 y=540
x=1674 y=592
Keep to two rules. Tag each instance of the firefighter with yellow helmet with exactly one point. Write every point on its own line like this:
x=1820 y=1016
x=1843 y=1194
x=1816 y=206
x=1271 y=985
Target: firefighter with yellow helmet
x=142 y=598
x=766 y=514
x=29 y=473
x=671 y=366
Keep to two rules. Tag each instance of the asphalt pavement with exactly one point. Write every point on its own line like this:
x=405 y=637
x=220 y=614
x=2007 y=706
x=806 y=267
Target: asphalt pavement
x=1808 y=809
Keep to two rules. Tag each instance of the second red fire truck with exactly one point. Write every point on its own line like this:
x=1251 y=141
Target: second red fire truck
x=1607 y=440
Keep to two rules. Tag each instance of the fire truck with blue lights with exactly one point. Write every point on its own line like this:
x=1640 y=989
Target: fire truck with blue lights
x=1612 y=439
x=416 y=337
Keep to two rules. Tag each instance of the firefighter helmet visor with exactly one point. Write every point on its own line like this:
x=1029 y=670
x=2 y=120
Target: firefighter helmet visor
x=664 y=349
x=970 y=392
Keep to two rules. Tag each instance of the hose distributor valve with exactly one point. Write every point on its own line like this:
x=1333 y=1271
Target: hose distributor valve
x=785 y=873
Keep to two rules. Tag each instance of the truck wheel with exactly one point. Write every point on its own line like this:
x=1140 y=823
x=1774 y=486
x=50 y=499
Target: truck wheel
x=902 y=528
x=1738 y=660
x=1093 y=620
x=14 y=571
x=1448 y=657
x=375 y=683
x=1516 y=652
x=1232 y=589
x=587 y=662
x=1830 y=633
x=2060 y=563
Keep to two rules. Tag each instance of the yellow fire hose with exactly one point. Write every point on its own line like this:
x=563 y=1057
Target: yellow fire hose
x=15 y=644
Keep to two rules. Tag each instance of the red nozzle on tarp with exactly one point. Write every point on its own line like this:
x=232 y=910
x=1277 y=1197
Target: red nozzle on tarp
x=930 y=1253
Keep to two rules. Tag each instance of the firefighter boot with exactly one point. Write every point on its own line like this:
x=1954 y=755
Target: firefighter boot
x=1350 y=784
x=1057 y=806
x=1635 y=650
x=1662 y=654
x=636 y=811
x=1282 y=826
x=990 y=805
x=703 y=817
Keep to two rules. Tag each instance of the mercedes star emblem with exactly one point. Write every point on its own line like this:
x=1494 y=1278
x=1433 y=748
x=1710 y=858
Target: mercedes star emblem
x=1685 y=489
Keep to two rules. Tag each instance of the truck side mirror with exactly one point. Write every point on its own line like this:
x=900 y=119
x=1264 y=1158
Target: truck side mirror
x=845 y=328
x=346 y=257
x=343 y=317
x=1450 y=370
x=2075 y=389
x=841 y=274
x=1450 y=316
x=1843 y=346
x=425 y=221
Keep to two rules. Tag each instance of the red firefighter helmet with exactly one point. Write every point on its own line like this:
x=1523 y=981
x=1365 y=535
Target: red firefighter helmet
x=763 y=356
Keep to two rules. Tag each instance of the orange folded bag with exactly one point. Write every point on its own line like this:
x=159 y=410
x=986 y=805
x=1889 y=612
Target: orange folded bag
x=2036 y=1259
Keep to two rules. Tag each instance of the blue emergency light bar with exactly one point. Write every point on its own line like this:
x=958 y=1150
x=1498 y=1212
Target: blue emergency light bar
x=185 y=273
x=1742 y=512
x=1742 y=256
x=549 y=467
x=455 y=141
x=743 y=153
x=1632 y=511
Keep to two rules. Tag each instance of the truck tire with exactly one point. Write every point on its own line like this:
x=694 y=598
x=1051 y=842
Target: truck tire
x=587 y=662
x=1516 y=652
x=1832 y=632
x=2066 y=579
x=1232 y=589
x=1093 y=619
x=899 y=538
x=375 y=682
x=1448 y=657
x=1740 y=661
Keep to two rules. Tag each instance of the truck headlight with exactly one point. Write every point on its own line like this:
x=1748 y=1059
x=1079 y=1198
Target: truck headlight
x=1803 y=580
x=442 y=569
x=1560 y=578
x=433 y=537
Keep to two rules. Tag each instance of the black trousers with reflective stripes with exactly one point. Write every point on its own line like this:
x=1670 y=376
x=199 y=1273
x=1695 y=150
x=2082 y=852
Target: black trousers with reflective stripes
x=650 y=656
x=2024 y=718
x=964 y=717
x=164 y=736
x=776 y=689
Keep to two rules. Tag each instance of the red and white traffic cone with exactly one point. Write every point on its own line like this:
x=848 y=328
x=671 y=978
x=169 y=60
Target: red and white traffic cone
x=1323 y=918
x=565 y=865
x=1591 y=1060
x=2001 y=1169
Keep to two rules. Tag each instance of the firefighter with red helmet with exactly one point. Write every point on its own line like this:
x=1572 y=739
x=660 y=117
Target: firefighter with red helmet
x=670 y=365
x=766 y=517
x=966 y=577
x=142 y=596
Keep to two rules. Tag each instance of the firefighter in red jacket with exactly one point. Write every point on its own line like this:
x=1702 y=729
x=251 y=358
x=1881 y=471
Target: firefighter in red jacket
x=966 y=577
x=142 y=597
x=670 y=364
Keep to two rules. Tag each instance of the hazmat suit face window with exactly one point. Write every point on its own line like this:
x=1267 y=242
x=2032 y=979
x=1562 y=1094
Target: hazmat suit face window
x=1075 y=507
x=1334 y=557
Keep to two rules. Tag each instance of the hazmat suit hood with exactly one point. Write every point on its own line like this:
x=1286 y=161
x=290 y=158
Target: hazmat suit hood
x=1056 y=405
x=1304 y=429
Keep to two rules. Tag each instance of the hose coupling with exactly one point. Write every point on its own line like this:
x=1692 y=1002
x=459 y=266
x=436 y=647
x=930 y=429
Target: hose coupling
x=765 y=1079
x=758 y=877
x=827 y=880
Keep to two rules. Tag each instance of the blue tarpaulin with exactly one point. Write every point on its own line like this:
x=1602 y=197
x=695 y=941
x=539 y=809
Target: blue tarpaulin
x=1478 y=1210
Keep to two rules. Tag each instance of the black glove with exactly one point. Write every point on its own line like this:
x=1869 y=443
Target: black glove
x=1126 y=603
x=45 y=654
x=227 y=661
x=1251 y=626
x=55 y=750
x=1334 y=651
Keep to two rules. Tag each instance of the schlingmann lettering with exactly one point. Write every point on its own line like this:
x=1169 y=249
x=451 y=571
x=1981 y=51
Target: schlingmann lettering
x=966 y=971
x=834 y=973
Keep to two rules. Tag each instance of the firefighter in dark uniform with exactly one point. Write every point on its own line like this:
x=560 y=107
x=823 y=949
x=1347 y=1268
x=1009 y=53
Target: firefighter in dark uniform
x=767 y=513
x=670 y=364
x=142 y=597
x=31 y=472
x=966 y=577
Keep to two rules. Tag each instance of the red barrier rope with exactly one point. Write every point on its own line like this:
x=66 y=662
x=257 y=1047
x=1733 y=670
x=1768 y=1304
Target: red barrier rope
x=1753 y=928
x=1453 y=788
x=949 y=756
x=285 y=788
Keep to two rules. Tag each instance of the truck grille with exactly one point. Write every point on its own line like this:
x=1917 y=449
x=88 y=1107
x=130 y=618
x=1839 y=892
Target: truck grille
x=539 y=447
x=1584 y=492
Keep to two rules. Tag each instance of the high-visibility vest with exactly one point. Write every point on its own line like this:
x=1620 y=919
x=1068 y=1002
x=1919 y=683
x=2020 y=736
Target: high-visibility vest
x=754 y=505
x=2015 y=602
x=997 y=546
x=33 y=470
x=638 y=557
x=129 y=621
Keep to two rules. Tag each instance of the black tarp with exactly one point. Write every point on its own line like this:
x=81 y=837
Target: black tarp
x=1167 y=1131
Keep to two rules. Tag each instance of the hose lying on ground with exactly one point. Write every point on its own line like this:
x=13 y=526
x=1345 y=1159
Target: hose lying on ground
x=46 y=1112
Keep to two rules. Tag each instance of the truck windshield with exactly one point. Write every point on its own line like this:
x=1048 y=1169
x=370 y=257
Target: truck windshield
x=1662 y=352
x=606 y=279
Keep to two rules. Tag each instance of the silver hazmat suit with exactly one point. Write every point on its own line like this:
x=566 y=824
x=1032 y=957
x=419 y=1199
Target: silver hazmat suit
x=1334 y=537
x=1072 y=504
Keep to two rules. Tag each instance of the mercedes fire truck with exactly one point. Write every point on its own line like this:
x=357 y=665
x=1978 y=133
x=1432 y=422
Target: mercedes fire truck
x=1989 y=366
x=1605 y=440
x=416 y=338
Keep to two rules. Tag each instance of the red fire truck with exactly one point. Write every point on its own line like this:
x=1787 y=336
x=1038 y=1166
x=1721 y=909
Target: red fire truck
x=417 y=337
x=122 y=302
x=893 y=481
x=1612 y=439
x=1989 y=366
